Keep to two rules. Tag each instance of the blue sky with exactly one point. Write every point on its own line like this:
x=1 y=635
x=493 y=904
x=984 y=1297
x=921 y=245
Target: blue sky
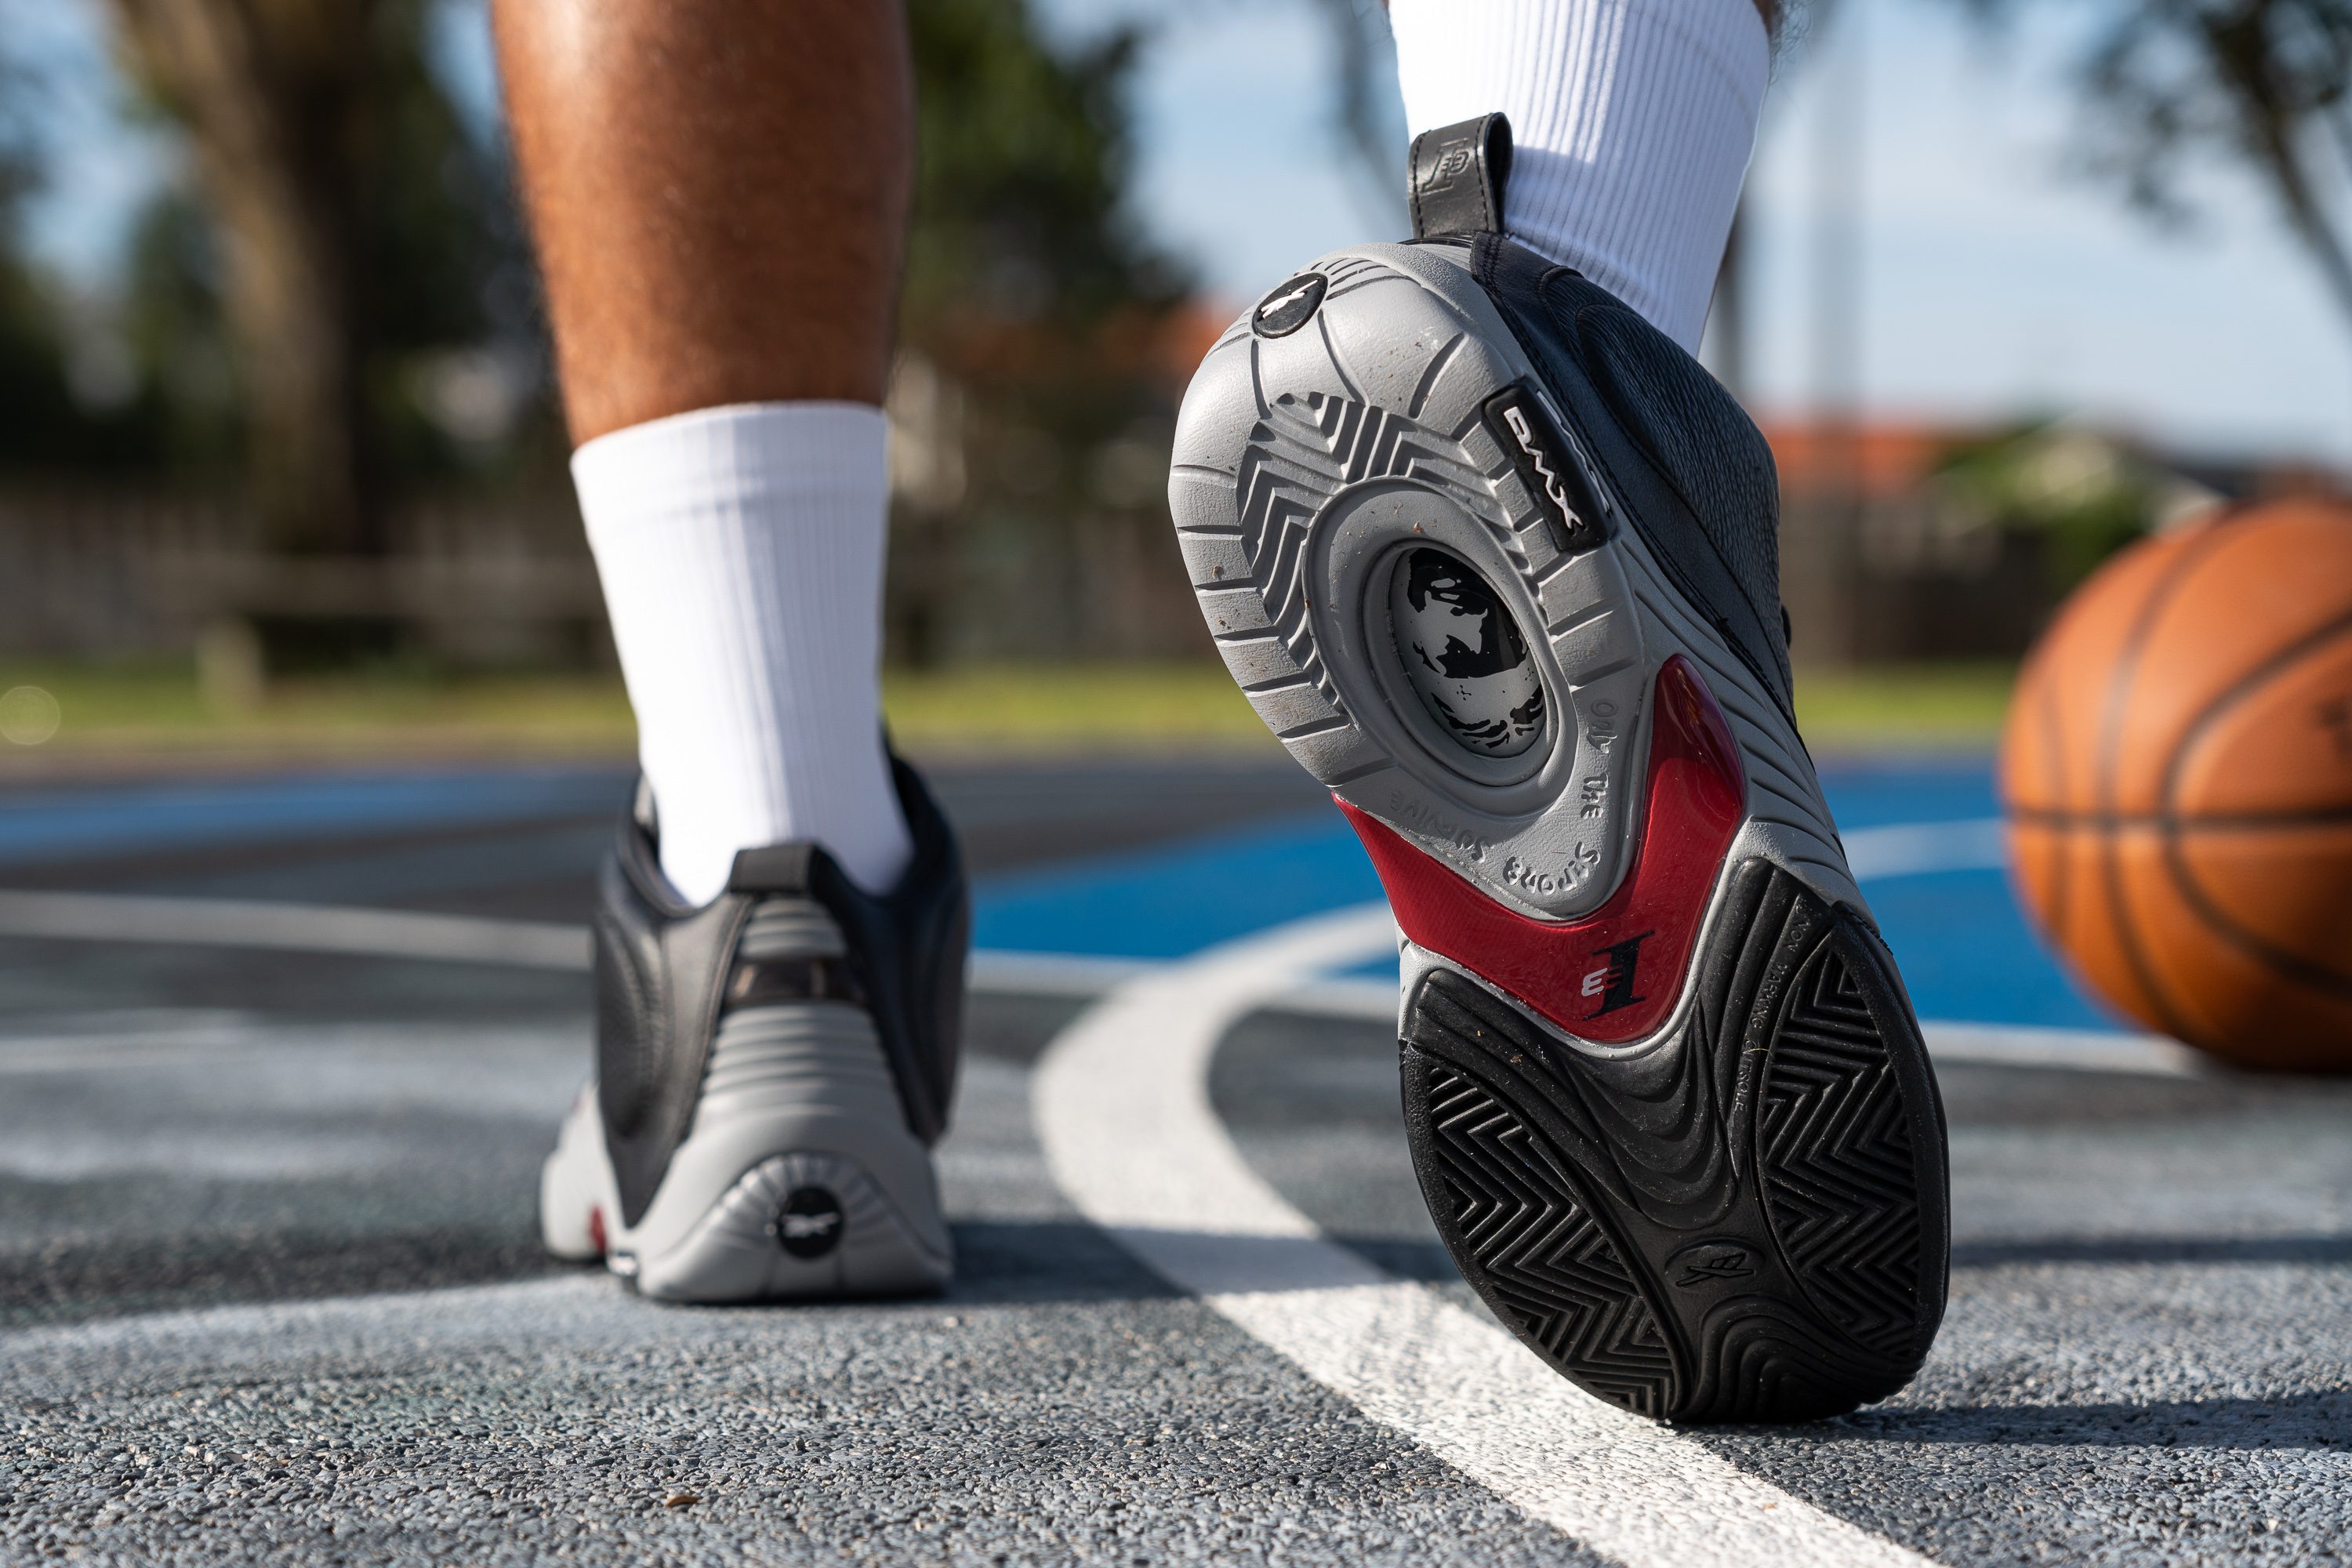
x=1990 y=284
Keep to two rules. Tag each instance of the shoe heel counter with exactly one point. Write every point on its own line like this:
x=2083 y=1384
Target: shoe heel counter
x=909 y=946
x=659 y=968
x=628 y=993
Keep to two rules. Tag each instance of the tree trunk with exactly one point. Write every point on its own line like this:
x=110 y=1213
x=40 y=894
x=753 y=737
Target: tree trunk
x=270 y=92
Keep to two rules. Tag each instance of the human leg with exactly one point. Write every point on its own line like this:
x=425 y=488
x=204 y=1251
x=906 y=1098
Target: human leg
x=717 y=189
x=1632 y=121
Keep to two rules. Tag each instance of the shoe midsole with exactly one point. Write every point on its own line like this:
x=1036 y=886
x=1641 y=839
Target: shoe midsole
x=1308 y=466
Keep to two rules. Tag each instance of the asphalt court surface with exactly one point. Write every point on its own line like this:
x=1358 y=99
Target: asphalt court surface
x=270 y=1290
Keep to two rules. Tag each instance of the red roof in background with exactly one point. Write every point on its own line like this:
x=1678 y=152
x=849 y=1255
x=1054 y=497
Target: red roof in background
x=1162 y=343
x=1890 y=459
x=1188 y=333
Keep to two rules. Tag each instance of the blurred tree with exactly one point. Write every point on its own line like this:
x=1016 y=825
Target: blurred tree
x=2082 y=494
x=1030 y=323
x=1368 y=115
x=31 y=373
x=2264 y=84
x=39 y=422
x=1021 y=162
x=348 y=224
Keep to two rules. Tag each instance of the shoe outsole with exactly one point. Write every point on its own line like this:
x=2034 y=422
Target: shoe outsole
x=1740 y=1216
x=1727 y=1225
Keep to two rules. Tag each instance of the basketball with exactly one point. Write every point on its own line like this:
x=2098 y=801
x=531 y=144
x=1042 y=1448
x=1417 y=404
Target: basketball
x=2177 y=771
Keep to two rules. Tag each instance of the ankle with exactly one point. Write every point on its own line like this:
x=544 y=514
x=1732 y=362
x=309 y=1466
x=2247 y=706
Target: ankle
x=740 y=550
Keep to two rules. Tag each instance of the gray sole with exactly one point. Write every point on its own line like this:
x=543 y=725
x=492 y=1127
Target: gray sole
x=1304 y=464
x=734 y=1255
x=796 y=1099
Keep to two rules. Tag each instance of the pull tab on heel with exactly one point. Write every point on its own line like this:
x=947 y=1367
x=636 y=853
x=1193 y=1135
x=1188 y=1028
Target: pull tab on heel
x=1457 y=176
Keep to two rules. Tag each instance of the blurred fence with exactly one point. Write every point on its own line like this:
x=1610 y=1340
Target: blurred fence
x=1914 y=577
x=98 y=571
x=94 y=571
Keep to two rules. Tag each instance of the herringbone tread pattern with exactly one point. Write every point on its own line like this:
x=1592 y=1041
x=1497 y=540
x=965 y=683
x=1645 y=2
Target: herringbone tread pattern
x=1834 y=1144
x=1303 y=452
x=1546 y=1261
x=1797 y=1274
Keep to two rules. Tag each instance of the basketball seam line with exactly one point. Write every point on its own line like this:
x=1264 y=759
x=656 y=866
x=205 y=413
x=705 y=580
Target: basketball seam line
x=2176 y=823
x=2318 y=976
x=2120 y=682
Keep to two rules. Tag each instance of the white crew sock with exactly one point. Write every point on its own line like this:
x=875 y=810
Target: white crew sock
x=1631 y=120
x=740 y=550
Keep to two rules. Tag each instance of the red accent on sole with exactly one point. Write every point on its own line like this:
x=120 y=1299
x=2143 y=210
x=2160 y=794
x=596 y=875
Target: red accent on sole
x=1616 y=974
x=596 y=1227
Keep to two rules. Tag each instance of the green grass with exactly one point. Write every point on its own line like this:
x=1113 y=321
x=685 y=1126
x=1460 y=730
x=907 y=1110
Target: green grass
x=1904 y=707
x=131 y=710
x=119 y=710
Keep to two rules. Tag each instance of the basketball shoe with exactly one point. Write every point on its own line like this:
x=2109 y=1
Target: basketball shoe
x=773 y=1068
x=1497 y=562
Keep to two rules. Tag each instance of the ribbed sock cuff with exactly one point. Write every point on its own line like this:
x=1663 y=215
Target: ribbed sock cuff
x=740 y=550
x=1633 y=122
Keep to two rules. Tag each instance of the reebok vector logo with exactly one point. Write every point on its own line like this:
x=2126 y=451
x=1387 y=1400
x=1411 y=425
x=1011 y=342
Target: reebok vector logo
x=808 y=1225
x=1710 y=1263
x=1290 y=306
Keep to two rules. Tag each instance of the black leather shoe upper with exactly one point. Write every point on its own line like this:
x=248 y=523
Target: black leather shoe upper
x=1691 y=469
x=1689 y=466
x=663 y=969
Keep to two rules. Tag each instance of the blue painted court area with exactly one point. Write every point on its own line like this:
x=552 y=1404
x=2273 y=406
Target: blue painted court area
x=1965 y=949
x=45 y=826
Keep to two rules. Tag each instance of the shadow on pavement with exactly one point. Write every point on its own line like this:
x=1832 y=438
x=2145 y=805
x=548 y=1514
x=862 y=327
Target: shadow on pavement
x=77 y=1281
x=2217 y=1249
x=2320 y=1419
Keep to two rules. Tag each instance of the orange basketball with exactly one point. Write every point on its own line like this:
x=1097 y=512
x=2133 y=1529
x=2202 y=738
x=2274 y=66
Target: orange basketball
x=2177 y=775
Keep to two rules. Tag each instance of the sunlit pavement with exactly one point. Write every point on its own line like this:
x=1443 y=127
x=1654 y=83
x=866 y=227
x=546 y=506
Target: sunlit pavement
x=268 y=1271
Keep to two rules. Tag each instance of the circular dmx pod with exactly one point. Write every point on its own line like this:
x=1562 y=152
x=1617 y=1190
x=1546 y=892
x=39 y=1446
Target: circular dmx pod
x=1464 y=656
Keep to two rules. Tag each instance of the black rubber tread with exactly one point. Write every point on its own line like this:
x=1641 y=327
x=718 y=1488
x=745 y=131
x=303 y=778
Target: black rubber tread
x=1745 y=1221
x=1550 y=1266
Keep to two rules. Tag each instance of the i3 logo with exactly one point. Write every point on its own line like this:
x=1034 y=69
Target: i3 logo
x=1613 y=980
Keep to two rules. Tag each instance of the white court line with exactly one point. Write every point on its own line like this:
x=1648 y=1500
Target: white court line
x=2071 y=1050
x=411 y=933
x=1900 y=850
x=1121 y=1100
x=208 y=1038
x=464 y=938
x=1917 y=848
